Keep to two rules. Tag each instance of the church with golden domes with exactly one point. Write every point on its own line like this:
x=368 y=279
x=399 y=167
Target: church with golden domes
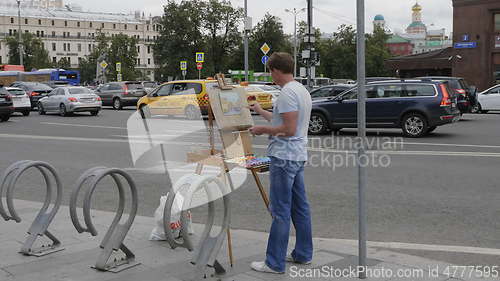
x=417 y=26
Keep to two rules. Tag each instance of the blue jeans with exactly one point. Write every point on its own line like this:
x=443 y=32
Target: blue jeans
x=288 y=200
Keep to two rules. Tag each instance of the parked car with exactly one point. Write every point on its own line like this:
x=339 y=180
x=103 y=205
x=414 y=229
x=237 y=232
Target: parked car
x=330 y=91
x=417 y=107
x=6 y=105
x=188 y=98
x=121 y=94
x=273 y=90
x=488 y=100
x=67 y=100
x=20 y=99
x=465 y=94
x=35 y=90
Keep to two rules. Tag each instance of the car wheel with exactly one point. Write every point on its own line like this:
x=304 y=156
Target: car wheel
x=62 y=110
x=476 y=108
x=192 y=113
x=117 y=104
x=318 y=124
x=94 y=113
x=431 y=129
x=414 y=125
x=26 y=113
x=144 y=111
x=5 y=118
x=41 y=111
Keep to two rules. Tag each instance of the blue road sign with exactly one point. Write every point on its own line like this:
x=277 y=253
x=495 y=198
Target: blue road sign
x=264 y=59
x=465 y=45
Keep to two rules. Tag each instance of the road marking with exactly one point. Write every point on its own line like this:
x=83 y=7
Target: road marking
x=423 y=247
x=79 y=125
x=444 y=144
x=204 y=144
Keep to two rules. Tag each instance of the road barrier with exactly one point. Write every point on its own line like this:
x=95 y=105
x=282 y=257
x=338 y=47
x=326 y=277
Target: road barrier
x=113 y=240
x=40 y=225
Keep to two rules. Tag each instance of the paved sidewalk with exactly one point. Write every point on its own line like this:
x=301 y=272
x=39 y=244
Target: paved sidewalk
x=160 y=262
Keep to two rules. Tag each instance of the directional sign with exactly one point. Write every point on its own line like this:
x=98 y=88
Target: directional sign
x=200 y=57
x=264 y=59
x=465 y=45
x=265 y=48
x=184 y=65
x=103 y=64
x=199 y=66
x=119 y=67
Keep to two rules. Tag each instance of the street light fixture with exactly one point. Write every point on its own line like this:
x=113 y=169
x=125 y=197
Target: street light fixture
x=295 y=12
x=20 y=44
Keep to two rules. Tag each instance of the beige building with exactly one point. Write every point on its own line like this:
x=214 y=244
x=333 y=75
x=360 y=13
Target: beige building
x=70 y=32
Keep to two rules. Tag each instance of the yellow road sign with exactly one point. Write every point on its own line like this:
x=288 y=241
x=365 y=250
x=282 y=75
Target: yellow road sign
x=200 y=57
x=265 y=48
x=103 y=64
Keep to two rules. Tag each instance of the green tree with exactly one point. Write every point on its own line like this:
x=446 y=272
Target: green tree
x=63 y=63
x=88 y=65
x=377 y=52
x=123 y=49
x=269 y=30
x=35 y=56
x=221 y=20
x=180 y=38
x=338 y=54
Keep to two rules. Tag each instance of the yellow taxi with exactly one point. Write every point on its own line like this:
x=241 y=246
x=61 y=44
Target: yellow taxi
x=188 y=98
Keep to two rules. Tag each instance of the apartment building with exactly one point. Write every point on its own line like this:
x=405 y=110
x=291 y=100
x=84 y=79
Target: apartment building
x=70 y=32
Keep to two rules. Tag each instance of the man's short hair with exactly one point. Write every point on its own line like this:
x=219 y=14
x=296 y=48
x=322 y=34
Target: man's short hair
x=281 y=61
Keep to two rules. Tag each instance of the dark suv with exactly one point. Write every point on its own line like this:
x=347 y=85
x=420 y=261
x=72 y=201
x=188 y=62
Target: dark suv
x=415 y=106
x=6 y=106
x=120 y=94
x=466 y=96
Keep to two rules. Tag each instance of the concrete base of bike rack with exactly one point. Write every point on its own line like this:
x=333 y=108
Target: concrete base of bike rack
x=43 y=251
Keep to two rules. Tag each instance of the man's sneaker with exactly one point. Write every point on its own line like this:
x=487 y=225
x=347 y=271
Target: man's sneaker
x=261 y=266
x=289 y=258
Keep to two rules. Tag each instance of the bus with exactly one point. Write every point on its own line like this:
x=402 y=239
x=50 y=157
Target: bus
x=72 y=77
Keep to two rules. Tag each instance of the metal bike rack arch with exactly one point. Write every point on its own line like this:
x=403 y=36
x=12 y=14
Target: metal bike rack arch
x=208 y=247
x=40 y=225
x=114 y=237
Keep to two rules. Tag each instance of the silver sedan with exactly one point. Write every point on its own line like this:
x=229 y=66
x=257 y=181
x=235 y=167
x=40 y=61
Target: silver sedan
x=66 y=100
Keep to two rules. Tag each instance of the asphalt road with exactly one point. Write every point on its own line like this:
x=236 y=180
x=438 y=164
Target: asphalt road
x=438 y=190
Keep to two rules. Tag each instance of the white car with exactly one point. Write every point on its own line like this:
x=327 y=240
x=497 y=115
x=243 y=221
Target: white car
x=67 y=100
x=489 y=99
x=20 y=99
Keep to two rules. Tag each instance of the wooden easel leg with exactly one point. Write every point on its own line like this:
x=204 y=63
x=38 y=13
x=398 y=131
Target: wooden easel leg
x=262 y=191
x=230 y=247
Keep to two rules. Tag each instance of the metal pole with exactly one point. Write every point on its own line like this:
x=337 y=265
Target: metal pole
x=309 y=32
x=20 y=45
x=295 y=42
x=246 y=41
x=361 y=74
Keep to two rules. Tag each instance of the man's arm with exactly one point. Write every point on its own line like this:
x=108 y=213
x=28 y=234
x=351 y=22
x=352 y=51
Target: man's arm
x=287 y=129
x=264 y=113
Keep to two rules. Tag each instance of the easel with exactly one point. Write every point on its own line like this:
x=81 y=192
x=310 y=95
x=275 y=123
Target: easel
x=237 y=142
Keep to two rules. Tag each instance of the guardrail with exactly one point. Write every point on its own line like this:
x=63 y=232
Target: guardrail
x=40 y=225
x=113 y=240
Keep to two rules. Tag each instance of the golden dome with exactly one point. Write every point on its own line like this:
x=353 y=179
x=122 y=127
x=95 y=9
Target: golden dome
x=417 y=8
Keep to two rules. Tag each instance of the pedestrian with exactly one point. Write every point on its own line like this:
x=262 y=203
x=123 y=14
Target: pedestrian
x=287 y=149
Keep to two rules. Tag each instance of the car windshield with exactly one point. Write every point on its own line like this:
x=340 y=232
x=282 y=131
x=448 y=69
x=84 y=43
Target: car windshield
x=16 y=92
x=79 y=91
x=134 y=86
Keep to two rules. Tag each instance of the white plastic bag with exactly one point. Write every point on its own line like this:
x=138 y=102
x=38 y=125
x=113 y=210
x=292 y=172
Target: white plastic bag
x=158 y=233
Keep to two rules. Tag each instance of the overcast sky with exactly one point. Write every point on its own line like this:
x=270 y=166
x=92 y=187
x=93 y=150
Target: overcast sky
x=328 y=14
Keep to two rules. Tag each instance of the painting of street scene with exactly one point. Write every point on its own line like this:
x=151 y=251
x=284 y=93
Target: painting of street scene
x=230 y=103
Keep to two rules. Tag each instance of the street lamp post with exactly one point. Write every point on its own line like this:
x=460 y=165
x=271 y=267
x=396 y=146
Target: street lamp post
x=295 y=12
x=20 y=44
x=246 y=40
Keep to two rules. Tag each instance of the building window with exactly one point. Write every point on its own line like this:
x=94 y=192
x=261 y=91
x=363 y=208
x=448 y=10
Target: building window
x=64 y=34
x=149 y=61
x=42 y=33
x=53 y=23
x=11 y=20
x=53 y=34
x=125 y=26
x=25 y=21
x=90 y=24
x=53 y=46
x=39 y=22
x=138 y=49
x=497 y=22
x=69 y=47
x=147 y=27
x=0 y=59
x=90 y=47
x=10 y=32
x=79 y=34
x=102 y=25
x=38 y=33
x=64 y=47
x=65 y=23
x=54 y=59
x=26 y=31
x=79 y=47
x=149 y=49
x=93 y=35
x=136 y=27
x=114 y=25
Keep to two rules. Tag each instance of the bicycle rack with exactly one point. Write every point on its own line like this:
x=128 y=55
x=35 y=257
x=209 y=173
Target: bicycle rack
x=113 y=240
x=208 y=248
x=44 y=218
